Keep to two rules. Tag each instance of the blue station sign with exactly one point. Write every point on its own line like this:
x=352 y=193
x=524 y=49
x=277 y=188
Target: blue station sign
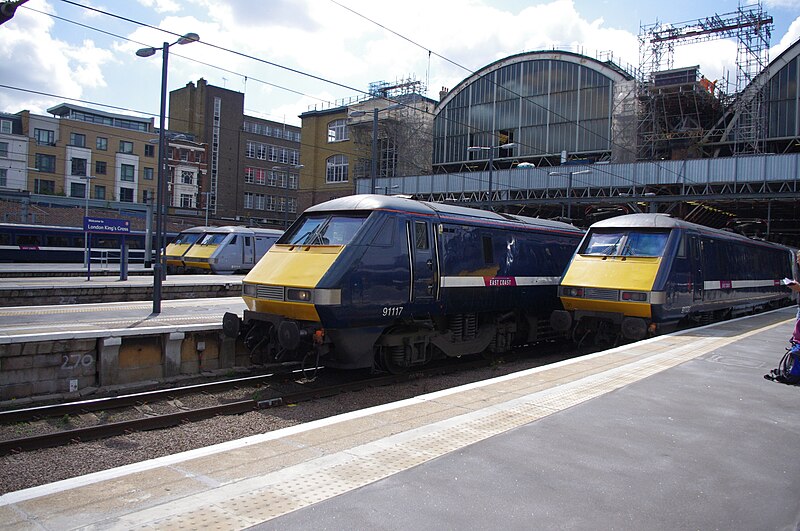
x=106 y=225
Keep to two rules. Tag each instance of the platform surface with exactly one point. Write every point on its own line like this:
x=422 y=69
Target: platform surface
x=675 y=432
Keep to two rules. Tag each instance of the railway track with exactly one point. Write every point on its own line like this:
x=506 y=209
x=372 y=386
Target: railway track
x=261 y=399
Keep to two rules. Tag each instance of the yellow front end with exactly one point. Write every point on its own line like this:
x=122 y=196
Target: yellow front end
x=284 y=269
x=605 y=279
x=198 y=256
x=174 y=253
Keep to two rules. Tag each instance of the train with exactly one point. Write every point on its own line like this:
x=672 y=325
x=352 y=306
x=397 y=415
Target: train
x=28 y=243
x=388 y=283
x=639 y=275
x=227 y=250
x=174 y=251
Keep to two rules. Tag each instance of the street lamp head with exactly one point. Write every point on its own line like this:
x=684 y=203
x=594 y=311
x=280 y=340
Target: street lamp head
x=356 y=114
x=146 y=52
x=473 y=149
x=188 y=38
x=509 y=145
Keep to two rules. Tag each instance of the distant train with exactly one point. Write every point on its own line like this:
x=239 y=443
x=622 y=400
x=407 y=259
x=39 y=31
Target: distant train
x=377 y=281
x=173 y=254
x=643 y=274
x=23 y=243
x=226 y=250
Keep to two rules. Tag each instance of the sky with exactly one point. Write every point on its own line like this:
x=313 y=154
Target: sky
x=291 y=56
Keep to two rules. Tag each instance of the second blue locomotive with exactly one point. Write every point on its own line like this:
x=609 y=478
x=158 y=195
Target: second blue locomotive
x=370 y=280
x=644 y=274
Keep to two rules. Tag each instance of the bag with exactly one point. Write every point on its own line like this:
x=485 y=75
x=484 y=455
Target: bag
x=788 y=370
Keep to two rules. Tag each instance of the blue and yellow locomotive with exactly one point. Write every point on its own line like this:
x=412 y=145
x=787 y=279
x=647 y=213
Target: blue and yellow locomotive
x=378 y=281
x=641 y=274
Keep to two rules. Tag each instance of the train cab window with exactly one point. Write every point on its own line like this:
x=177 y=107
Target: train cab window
x=187 y=238
x=212 y=239
x=603 y=243
x=421 y=234
x=645 y=244
x=326 y=229
x=247 y=242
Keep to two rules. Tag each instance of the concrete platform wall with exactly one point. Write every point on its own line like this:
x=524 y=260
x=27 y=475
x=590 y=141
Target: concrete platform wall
x=80 y=366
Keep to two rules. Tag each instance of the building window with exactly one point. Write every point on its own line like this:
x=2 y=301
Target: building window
x=99 y=192
x=149 y=150
x=102 y=143
x=99 y=167
x=43 y=186
x=249 y=175
x=337 y=131
x=147 y=174
x=77 y=140
x=270 y=205
x=126 y=195
x=261 y=176
x=248 y=199
x=4 y=150
x=5 y=127
x=336 y=169
x=187 y=177
x=78 y=166
x=186 y=201
x=259 y=204
x=125 y=146
x=3 y=177
x=273 y=178
x=127 y=173
x=145 y=196
x=44 y=137
x=184 y=155
x=293 y=178
x=46 y=163
x=77 y=190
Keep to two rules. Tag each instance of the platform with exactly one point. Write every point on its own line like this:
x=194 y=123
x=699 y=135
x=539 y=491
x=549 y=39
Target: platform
x=64 y=287
x=675 y=432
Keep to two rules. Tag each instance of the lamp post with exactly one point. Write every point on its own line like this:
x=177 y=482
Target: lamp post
x=208 y=198
x=373 y=173
x=158 y=267
x=569 y=187
x=490 y=149
x=86 y=257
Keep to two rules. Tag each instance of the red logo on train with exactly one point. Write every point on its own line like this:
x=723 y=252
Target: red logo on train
x=500 y=281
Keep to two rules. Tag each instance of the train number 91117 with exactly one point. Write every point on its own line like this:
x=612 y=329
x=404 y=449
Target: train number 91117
x=392 y=311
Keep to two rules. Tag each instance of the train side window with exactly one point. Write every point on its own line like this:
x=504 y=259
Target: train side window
x=488 y=251
x=57 y=241
x=421 y=234
x=682 y=247
x=28 y=239
x=385 y=236
x=5 y=239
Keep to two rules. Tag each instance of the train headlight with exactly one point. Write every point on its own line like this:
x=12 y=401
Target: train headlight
x=635 y=296
x=569 y=291
x=249 y=290
x=298 y=295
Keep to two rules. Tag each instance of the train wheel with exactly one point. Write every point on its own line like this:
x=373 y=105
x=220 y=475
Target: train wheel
x=393 y=359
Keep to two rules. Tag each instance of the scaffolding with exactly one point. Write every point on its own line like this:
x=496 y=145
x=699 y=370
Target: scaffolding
x=691 y=107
